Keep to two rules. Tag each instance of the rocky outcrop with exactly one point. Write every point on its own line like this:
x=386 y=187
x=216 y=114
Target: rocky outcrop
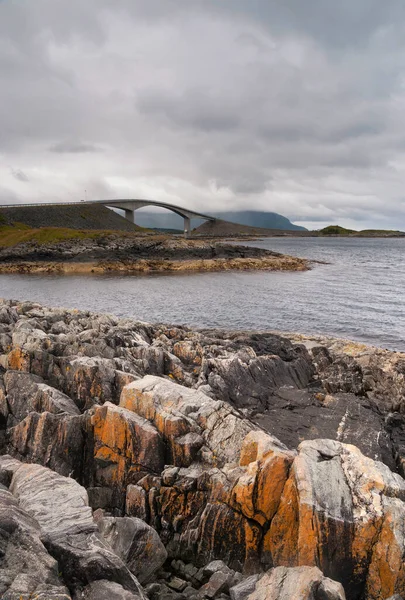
x=67 y=529
x=126 y=446
x=301 y=583
x=135 y=542
x=204 y=464
x=106 y=252
x=335 y=493
x=26 y=568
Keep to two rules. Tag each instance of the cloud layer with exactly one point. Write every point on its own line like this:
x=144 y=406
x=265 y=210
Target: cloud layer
x=295 y=107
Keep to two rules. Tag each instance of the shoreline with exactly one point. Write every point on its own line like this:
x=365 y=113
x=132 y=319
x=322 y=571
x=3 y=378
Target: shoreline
x=175 y=434
x=285 y=263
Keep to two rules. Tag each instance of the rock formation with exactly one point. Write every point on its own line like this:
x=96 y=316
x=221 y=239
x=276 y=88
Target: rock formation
x=148 y=460
x=103 y=252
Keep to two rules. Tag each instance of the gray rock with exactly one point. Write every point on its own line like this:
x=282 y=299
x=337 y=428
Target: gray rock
x=57 y=440
x=100 y=497
x=25 y=564
x=216 y=566
x=177 y=411
x=300 y=583
x=107 y=590
x=28 y=393
x=68 y=530
x=177 y=584
x=218 y=582
x=153 y=589
x=136 y=502
x=190 y=571
x=190 y=592
x=243 y=589
x=135 y=542
x=294 y=415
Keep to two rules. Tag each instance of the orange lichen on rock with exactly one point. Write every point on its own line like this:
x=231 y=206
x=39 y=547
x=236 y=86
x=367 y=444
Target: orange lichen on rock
x=258 y=491
x=386 y=574
x=188 y=352
x=280 y=544
x=18 y=360
x=124 y=443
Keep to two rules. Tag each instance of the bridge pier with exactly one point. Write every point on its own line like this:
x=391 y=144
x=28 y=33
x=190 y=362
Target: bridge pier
x=187 y=226
x=129 y=215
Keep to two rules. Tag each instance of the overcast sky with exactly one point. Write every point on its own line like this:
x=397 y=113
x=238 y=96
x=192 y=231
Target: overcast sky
x=283 y=105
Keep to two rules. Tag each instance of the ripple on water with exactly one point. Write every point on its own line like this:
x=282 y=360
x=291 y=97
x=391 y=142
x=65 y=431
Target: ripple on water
x=358 y=295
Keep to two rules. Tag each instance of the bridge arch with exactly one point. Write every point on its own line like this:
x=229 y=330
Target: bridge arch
x=130 y=206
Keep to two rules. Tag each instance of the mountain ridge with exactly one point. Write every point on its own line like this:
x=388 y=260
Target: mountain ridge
x=252 y=218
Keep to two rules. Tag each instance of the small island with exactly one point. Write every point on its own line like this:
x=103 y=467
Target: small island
x=71 y=251
x=338 y=231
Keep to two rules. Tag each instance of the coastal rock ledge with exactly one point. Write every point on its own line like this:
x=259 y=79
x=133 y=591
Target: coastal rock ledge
x=156 y=462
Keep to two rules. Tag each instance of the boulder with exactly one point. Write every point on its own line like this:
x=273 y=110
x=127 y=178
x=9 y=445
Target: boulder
x=107 y=590
x=22 y=586
x=301 y=583
x=216 y=566
x=258 y=491
x=57 y=441
x=177 y=411
x=135 y=542
x=218 y=583
x=244 y=588
x=344 y=513
x=88 y=380
x=68 y=531
x=245 y=379
x=125 y=444
x=26 y=568
x=28 y=393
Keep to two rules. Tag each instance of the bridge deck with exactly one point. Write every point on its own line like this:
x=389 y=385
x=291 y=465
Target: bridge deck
x=117 y=202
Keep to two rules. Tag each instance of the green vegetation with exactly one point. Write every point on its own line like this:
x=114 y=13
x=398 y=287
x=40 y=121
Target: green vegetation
x=380 y=233
x=11 y=235
x=336 y=230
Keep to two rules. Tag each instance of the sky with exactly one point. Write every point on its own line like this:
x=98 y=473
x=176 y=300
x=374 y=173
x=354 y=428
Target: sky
x=278 y=105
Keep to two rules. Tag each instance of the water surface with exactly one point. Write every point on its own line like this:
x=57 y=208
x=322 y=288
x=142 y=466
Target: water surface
x=359 y=295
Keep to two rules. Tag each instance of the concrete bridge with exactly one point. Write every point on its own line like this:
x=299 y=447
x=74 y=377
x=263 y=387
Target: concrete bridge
x=130 y=206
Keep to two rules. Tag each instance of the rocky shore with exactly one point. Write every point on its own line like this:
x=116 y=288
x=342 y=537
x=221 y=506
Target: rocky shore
x=152 y=461
x=137 y=254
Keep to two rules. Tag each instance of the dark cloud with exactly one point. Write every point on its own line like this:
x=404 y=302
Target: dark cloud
x=291 y=106
x=20 y=175
x=73 y=148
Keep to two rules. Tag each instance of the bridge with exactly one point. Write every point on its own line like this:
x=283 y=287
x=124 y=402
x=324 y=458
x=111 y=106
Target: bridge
x=129 y=206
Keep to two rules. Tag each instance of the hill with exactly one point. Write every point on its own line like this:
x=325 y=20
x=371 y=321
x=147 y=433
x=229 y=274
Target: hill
x=336 y=230
x=221 y=228
x=262 y=219
x=71 y=216
x=168 y=220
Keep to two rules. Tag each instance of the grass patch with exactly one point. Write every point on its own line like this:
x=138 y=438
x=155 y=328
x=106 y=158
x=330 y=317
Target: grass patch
x=380 y=232
x=336 y=230
x=12 y=235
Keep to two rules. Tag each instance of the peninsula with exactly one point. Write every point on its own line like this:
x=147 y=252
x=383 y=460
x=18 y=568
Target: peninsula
x=68 y=251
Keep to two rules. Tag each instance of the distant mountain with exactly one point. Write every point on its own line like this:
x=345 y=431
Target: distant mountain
x=253 y=218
